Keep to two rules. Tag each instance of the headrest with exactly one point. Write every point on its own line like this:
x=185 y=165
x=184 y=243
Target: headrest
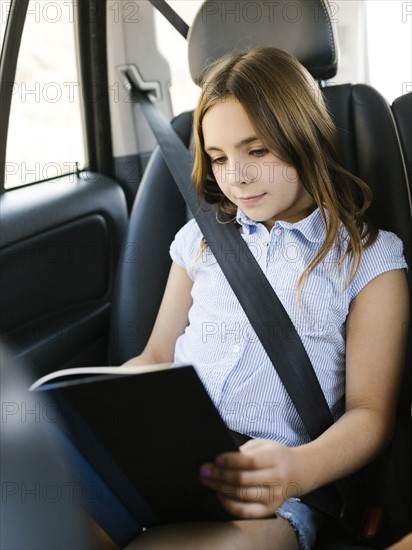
x=302 y=28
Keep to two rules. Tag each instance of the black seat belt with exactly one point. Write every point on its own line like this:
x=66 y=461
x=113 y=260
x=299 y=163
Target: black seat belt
x=174 y=19
x=264 y=310
x=266 y=313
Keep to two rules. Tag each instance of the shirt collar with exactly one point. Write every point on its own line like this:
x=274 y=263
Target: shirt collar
x=311 y=227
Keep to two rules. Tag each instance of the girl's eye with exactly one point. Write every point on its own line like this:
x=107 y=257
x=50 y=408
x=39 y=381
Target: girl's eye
x=259 y=152
x=218 y=160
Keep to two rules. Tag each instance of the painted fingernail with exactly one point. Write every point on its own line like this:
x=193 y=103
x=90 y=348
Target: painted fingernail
x=219 y=461
x=205 y=472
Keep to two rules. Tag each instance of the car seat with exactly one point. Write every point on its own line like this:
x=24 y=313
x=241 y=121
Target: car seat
x=368 y=137
x=402 y=111
x=369 y=145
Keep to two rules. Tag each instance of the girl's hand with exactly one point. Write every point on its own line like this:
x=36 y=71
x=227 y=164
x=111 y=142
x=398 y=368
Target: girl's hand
x=254 y=482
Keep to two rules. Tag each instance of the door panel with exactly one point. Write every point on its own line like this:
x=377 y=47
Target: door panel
x=59 y=249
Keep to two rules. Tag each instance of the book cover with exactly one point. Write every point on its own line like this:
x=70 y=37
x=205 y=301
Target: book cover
x=146 y=431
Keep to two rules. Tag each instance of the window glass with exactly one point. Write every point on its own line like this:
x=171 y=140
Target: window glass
x=45 y=137
x=184 y=93
x=389 y=32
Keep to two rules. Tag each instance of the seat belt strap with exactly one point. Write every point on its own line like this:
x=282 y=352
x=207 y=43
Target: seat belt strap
x=174 y=19
x=263 y=308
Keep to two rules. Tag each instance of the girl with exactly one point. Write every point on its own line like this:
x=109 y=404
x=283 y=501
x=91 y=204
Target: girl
x=266 y=152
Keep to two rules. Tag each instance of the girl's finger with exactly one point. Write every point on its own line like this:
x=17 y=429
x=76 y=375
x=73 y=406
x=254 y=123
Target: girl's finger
x=211 y=473
x=268 y=494
x=246 y=509
x=254 y=455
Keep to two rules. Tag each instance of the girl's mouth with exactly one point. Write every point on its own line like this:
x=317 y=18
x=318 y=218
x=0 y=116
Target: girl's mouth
x=252 y=199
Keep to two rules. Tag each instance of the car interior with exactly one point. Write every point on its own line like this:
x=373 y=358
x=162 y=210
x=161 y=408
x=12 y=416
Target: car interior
x=85 y=259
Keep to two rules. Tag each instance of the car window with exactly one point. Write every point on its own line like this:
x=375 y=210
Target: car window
x=389 y=24
x=184 y=93
x=45 y=137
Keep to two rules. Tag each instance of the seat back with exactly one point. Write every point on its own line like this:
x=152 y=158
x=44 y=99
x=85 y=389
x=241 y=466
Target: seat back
x=158 y=213
x=402 y=111
x=369 y=148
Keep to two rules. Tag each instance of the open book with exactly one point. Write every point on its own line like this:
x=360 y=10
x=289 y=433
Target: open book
x=74 y=374
x=145 y=431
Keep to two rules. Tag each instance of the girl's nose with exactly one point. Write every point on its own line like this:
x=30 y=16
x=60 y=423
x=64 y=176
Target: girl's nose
x=236 y=173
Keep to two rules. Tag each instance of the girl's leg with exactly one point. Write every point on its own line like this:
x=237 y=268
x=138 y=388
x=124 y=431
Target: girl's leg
x=262 y=534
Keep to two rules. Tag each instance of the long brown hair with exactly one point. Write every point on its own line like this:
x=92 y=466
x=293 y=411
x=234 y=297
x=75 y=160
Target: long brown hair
x=286 y=108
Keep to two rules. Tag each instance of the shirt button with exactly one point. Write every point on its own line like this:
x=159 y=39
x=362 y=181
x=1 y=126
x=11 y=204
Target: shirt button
x=277 y=232
x=236 y=348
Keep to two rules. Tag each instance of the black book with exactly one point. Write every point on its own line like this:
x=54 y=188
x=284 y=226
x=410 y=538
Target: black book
x=145 y=431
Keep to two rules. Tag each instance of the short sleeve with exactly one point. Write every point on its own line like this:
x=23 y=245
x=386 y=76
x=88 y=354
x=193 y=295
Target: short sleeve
x=186 y=246
x=385 y=254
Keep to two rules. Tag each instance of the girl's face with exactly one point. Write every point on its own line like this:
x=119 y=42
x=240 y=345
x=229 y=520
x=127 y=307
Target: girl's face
x=253 y=178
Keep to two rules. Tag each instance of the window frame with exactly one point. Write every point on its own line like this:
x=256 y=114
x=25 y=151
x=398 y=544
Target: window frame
x=90 y=43
x=8 y=65
x=91 y=32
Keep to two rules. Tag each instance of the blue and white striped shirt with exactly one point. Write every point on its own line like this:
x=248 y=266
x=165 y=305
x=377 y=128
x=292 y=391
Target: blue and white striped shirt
x=227 y=354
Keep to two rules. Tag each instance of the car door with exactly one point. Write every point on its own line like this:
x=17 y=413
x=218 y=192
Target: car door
x=63 y=215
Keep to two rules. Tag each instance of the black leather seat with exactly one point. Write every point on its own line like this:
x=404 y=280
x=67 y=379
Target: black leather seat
x=157 y=214
x=369 y=145
x=402 y=111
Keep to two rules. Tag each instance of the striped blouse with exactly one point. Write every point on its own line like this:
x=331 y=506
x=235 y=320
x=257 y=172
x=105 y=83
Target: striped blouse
x=226 y=352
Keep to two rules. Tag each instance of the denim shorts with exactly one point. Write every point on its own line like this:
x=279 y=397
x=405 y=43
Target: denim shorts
x=305 y=521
